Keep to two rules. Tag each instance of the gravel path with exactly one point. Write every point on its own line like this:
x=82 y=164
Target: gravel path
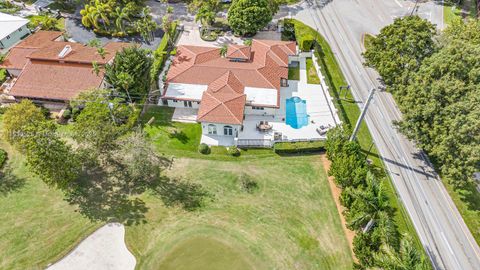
x=105 y=249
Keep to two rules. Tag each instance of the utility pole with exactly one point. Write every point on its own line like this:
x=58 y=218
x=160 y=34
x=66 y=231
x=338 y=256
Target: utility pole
x=414 y=8
x=362 y=115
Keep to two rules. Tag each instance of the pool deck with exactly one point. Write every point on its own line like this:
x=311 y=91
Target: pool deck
x=319 y=107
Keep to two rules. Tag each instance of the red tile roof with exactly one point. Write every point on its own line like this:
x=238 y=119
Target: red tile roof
x=239 y=52
x=17 y=56
x=51 y=80
x=224 y=101
x=47 y=76
x=203 y=65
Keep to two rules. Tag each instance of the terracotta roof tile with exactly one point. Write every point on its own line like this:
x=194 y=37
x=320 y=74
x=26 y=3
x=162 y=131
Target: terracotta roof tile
x=50 y=80
x=223 y=102
x=239 y=51
x=39 y=39
x=17 y=58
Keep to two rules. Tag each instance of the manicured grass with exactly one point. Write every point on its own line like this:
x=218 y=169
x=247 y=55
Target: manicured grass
x=450 y=14
x=288 y=222
x=312 y=76
x=38 y=227
x=294 y=72
x=204 y=253
x=182 y=139
x=349 y=113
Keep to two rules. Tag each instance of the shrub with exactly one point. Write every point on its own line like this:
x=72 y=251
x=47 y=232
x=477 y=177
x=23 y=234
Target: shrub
x=3 y=110
x=247 y=183
x=204 y=149
x=298 y=147
x=3 y=157
x=234 y=151
x=67 y=114
x=288 y=33
x=305 y=42
x=247 y=42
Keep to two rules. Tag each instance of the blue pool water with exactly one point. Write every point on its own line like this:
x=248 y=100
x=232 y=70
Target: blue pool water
x=296 y=112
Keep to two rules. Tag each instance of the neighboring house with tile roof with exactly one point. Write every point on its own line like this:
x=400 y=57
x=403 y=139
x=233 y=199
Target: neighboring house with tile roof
x=223 y=89
x=12 y=30
x=55 y=71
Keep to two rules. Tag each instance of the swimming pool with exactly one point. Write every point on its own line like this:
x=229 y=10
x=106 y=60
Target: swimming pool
x=296 y=112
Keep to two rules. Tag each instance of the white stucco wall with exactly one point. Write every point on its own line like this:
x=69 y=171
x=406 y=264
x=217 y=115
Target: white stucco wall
x=14 y=37
x=265 y=111
x=236 y=128
x=180 y=104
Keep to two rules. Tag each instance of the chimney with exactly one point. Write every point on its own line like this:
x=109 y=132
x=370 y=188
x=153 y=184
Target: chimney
x=65 y=51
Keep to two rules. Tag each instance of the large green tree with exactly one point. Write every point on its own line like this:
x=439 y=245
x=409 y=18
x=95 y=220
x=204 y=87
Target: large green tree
x=129 y=74
x=246 y=17
x=400 y=48
x=104 y=118
x=407 y=257
x=47 y=155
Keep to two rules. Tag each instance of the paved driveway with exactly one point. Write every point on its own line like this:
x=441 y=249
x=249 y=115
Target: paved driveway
x=105 y=249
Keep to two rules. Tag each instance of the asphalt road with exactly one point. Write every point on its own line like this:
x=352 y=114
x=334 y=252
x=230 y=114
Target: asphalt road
x=441 y=229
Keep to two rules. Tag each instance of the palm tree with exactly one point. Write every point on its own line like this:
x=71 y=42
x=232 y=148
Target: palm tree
x=369 y=204
x=102 y=52
x=120 y=16
x=103 y=11
x=95 y=68
x=223 y=50
x=407 y=257
x=205 y=15
x=125 y=80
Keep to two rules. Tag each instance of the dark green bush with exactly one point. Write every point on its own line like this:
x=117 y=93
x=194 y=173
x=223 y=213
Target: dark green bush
x=204 y=149
x=67 y=114
x=247 y=183
x=234 y=151
x=305 y=42
x=3 y=157
x=299 y=147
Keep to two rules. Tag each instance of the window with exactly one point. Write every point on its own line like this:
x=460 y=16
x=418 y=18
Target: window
x=174 y=100
x=212 y=129
x=283 y=82
x=228 y=130
x=258 y=108
x=8 y=37
x=20 y=30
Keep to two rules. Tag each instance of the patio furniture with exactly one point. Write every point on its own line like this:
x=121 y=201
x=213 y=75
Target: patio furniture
x=264 y=126
x=322 y=130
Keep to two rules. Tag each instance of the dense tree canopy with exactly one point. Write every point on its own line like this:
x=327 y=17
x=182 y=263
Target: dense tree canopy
x=49 y=157
x=438 y=90
x=246 y=17
x=400 y=48
x=129 y=74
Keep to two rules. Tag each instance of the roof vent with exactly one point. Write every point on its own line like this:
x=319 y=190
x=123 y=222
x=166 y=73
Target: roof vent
x=66 y=50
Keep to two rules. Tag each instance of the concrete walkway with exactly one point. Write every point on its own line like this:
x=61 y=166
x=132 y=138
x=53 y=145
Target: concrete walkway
x=105 y=249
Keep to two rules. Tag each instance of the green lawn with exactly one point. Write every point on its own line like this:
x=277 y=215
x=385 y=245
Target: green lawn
x=450 y=14
x=182 y=139
x=349 y=113
x=37 y=226
x=294 y=72
x=288 y=222
x=312 y=76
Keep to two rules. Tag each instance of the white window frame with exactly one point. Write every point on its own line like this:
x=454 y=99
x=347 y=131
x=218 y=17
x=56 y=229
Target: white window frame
x=228 y=130
x=212 y=129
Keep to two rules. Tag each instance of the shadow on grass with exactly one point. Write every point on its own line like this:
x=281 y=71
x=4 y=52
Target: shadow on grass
x=101 y=198
x=9 y=182
x=177 y=192
x=181 y=136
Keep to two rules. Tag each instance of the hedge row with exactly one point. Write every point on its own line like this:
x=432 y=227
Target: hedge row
x=159 y=58
x=298 y=147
